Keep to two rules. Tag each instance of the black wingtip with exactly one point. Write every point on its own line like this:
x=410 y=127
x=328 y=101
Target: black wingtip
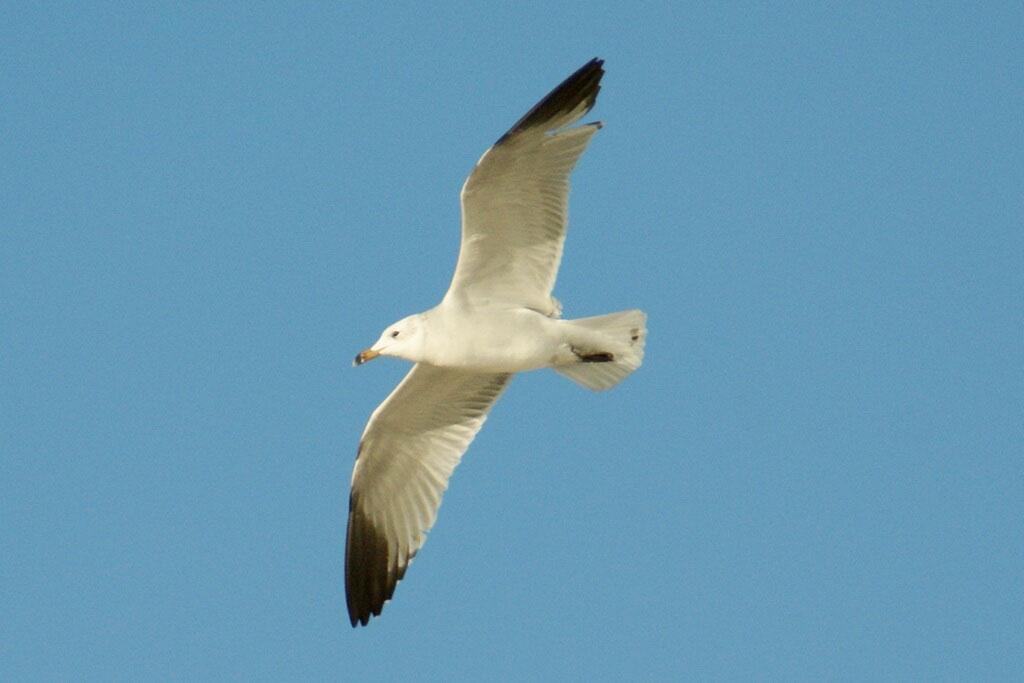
x=581 y=86
x=369 y=580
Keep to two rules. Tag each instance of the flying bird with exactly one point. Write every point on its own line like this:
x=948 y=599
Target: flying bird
x=497 y=318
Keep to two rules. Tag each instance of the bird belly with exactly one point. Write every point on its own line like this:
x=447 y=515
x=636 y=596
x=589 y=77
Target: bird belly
x=515 y=341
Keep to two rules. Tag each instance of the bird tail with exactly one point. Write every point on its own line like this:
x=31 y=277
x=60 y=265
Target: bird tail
x=607 y=348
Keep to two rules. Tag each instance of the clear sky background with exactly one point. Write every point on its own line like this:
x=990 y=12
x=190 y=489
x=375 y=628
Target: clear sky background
x=817 y=473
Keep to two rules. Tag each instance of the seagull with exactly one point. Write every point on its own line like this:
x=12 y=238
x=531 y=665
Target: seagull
x=497 y=318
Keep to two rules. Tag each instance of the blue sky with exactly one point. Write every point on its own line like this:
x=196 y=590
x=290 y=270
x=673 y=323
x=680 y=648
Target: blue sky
x=206 y=211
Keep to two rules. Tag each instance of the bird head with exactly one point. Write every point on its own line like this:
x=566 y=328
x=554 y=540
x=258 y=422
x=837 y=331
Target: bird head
x=403 y=339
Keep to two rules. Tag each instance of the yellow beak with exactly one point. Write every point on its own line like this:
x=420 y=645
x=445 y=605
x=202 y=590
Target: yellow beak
x=363 y=356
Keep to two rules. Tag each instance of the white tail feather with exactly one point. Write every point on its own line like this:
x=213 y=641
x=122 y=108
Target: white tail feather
x=621 y=334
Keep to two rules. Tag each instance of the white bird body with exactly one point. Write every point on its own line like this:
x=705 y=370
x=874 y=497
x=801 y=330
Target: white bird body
x=497 y=318
x=491 y=349
x=485 y=344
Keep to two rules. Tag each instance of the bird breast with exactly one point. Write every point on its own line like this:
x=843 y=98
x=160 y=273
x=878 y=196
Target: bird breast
x=484 y=343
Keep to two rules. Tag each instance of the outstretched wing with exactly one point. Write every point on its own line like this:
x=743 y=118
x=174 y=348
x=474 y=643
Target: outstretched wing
x=408 y=451
x=515 y=202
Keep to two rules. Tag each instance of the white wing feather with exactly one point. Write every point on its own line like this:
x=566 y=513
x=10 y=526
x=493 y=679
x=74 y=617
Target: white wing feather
x=515 y=202
x=408 y=451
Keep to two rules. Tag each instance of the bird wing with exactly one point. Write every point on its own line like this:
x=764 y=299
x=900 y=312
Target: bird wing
x=515 y=202
x=408 y=450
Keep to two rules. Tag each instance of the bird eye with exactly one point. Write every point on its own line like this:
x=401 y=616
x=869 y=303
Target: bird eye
x=394 y=334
